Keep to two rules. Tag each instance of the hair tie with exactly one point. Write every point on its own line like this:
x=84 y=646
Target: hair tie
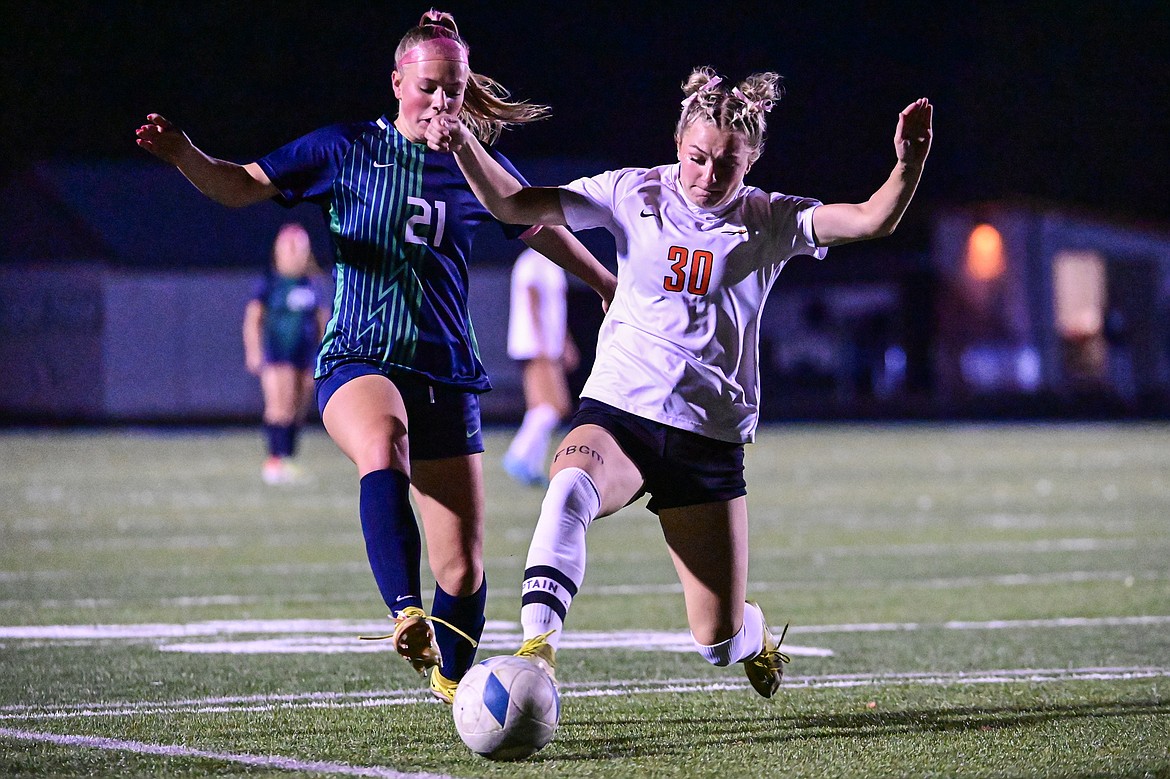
x=713 y=82
x=754 y=105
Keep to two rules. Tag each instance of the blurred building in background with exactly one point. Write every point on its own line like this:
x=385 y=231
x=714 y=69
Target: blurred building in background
x=122 y=291
x=1047 y=310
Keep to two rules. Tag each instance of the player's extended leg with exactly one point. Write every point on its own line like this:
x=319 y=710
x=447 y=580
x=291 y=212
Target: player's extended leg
x=591 y=477
x=449 y=492
x=366 y=418
x=709 y=546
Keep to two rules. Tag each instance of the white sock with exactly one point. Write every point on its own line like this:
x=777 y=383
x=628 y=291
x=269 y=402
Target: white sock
x=744 y=645
x=556 y=557
x=530 y=444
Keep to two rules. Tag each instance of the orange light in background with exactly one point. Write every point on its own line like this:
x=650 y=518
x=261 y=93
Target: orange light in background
x=985 y=260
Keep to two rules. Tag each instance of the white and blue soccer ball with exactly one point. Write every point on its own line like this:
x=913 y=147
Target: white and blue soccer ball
x=506 y=708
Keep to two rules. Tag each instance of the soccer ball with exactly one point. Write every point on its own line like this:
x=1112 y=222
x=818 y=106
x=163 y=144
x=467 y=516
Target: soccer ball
x=506 y=708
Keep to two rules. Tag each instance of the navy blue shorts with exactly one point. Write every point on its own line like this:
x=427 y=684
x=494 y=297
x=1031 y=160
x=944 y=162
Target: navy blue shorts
x=298 y=350
x=303 y=357
x=441 y=421
x=679 y=468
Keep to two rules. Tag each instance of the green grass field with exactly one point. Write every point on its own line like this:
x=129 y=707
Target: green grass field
x=965 y=601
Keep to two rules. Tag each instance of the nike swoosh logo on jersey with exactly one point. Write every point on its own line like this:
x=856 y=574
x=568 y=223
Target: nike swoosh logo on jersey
x=645 y=214
x=473 y=432
x=383 y=164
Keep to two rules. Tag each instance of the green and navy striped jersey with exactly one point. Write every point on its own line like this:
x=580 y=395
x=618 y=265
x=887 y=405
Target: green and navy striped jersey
x=402 y=219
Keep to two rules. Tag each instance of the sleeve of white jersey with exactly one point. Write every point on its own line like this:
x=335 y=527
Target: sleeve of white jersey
x=589 y=201
x=793 y=225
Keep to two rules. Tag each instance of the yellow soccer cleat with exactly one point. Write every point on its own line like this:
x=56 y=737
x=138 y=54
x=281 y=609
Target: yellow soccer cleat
x=442 y=687
x=414 y=639
x=766 y=669
x=541 y=652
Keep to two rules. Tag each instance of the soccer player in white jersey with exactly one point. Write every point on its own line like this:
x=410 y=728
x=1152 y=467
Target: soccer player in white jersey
x=538 y=339
x=674 y=393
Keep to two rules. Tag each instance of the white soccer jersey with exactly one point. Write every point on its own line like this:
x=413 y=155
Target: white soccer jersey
x=680 y=344
x=533 y=270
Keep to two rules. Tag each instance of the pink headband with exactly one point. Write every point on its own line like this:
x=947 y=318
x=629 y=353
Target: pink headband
x=714 y=82
x=435 y=49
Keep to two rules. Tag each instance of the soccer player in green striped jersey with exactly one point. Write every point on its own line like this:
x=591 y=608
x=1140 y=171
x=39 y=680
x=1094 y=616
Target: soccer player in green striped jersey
x=398 y=372
x=283 y=323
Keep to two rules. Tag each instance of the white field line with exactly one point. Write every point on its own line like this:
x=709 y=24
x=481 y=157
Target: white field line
x=319 y=635
x=175 y=750
x=1127 y=578
x=640 y=641
x=382 y=698
x=157 y=630
x=303 y=637
x=1045 y=546
x=935 y=583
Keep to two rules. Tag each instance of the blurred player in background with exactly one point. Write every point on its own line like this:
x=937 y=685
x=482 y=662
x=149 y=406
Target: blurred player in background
x=538 y=338
x=399 y=373
x=283 y=324
x=673 y=396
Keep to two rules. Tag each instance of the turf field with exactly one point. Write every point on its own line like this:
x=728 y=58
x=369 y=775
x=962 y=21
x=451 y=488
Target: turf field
x=964 y=600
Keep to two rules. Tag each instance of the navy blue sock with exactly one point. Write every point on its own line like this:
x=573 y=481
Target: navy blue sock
x=272 y=434
x=288 y=439
x=465 y=613
x=393 y=543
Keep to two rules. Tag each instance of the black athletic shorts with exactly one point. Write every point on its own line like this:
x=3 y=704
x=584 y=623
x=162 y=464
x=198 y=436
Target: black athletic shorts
x=679 y=468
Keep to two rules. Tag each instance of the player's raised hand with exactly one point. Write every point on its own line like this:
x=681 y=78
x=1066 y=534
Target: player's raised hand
x=913 y=136
x=163 y=139
x=446 y=133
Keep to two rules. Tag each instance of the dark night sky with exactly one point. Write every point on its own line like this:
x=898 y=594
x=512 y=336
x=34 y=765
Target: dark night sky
x=1069 y=105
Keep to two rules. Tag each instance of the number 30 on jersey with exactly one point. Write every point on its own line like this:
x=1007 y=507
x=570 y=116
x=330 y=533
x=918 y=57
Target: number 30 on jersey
x=689 y=270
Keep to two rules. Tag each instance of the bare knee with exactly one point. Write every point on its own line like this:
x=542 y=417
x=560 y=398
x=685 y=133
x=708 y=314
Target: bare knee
x=457 y=574
x=384 y=448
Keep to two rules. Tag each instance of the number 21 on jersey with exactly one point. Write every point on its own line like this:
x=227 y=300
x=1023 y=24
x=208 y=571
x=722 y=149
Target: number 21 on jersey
x=419 y=225
x=689 y=270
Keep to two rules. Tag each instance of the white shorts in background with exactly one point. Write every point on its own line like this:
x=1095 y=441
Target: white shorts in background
x=534 y=271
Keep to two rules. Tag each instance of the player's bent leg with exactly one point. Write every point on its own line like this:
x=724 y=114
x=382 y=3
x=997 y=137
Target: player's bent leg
x=708 y=543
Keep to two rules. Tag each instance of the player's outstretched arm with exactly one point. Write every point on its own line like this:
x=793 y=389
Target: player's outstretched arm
x=838 y=223
x=222 y=181
x=496 y=188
